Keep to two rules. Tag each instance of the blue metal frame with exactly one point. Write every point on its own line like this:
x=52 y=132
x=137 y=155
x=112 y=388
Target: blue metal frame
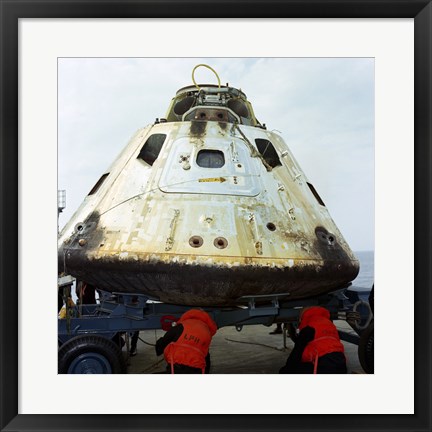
x=127 y=313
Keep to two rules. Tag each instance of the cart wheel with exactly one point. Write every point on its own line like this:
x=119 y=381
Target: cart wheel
x=366 y=349
x=90 y=354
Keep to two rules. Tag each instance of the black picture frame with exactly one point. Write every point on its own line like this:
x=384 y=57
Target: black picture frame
x=12 y=10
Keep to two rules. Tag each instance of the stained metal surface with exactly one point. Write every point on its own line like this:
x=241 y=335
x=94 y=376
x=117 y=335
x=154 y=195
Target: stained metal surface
x=206 y=236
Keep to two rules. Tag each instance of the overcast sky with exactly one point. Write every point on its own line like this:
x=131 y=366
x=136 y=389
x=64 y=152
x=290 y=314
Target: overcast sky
x=322 y=107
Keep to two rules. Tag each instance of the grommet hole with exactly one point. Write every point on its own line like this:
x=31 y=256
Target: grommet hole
x=196 y=241
x=220 y=242
x=271 y=226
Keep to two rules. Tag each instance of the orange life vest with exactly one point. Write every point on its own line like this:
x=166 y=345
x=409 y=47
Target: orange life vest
x=192 y=347
x=326 y=338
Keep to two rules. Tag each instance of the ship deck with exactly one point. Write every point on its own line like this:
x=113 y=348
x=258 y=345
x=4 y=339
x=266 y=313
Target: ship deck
x=251 y=351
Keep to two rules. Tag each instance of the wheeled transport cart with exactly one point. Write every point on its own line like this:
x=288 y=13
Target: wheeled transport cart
x=89 y=335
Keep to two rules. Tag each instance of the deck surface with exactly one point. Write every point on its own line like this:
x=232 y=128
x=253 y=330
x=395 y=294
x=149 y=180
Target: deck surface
x=251 y=351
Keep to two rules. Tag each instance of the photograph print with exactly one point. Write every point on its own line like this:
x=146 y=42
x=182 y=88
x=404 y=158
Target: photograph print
x=216 y=215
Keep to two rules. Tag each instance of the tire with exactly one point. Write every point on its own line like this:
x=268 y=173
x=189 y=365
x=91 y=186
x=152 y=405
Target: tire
x=366 y=349
x=90 y=354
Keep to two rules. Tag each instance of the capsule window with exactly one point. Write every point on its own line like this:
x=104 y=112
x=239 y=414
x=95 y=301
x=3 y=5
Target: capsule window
x=98 y=184
x=268 y=152
x=315 y=194
x=152 y=147
x=210 y=159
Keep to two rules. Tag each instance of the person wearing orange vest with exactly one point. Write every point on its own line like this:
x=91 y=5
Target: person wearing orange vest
x=186 y=345
x=318 y=348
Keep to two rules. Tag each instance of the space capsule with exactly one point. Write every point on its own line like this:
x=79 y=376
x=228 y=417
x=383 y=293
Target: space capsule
x=206 y=207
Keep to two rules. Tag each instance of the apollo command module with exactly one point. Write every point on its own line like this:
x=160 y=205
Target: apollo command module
x=206 y=208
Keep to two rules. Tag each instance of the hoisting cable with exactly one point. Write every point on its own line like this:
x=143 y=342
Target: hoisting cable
x=145 y=342
x=154 y=364
x=254 y=152
x=208 y=67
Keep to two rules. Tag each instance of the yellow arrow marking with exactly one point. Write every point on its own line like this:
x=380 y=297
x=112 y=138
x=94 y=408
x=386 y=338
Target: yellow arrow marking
x=212 y=180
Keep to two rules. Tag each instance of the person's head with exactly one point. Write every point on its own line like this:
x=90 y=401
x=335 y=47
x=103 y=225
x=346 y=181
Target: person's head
x=310 y=312
x=200 y=315
x=302 y=311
